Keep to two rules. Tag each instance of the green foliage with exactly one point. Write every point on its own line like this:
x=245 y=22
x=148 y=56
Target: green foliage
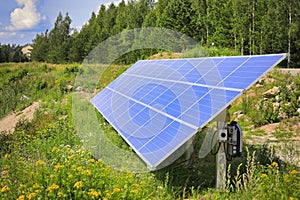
x=12 y=53
x=45 y=159
x=235 y=27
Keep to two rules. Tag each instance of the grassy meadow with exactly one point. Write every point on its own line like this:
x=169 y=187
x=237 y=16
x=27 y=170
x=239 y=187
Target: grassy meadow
x=45 y=158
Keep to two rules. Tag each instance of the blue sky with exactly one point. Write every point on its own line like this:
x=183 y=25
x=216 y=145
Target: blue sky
x=21 y=20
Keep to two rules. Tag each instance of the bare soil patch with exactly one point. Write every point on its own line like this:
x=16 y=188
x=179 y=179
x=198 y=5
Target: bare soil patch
x=8 y=123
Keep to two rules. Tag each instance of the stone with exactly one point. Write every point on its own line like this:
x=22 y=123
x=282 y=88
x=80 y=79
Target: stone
x=258 y=85
x=79 y=88
x=69 y=87
x=298 y=111
x=277 y=98
x=271 y=93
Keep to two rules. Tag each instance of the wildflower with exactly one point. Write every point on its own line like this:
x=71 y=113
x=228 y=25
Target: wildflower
x=202 y=198
x=5 y=188
x=29 y=196
x=263 y=176
x=94 y=193
x=59 y=194
x=35 y=186
x=134 y=191
x=274 y=164
x=293 y=171
x=78 y=184
x=87 y=172
x=3 y=173
x=57 y=167
x=69 y=149
x=22 y=197
x=39 y=162
x=51 y=175
x=72 y=156
x=105 y=198
x=79 y=151
x=70 y=176
x=6 y=156
x=79 y=168
x=55 y=149
x=117 y=189
x=291 y=198
x=52 y=187
x=92 y=160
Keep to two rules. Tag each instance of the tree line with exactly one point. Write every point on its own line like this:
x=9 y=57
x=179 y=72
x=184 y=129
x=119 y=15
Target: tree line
x=12 y=53
x=247 y=26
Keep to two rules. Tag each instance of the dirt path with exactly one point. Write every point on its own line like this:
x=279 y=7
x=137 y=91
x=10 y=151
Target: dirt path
x=9 y=122
x=293 y=72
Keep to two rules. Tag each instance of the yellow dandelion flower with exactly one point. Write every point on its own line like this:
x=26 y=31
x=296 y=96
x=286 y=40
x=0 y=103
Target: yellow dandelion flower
x=51 y=175
x=92 y=160
x=69 y=149
x=105 y=198
x=70 y=176
x=275 y=164
x=52 y=187
x=79 y=151
x=31 y=195
x=4 y=189
x=39 y=162
x=78 y=184
x=291 y=198
x=79 y=168
x=87 y=172
x=22 y=197
x=57 y=167
x=35 y=186
x=263 y=176
x=134 y=191
x=3 y=173
x=117 y=189
x=93 y=193
x=293 y=171
x=55 y=149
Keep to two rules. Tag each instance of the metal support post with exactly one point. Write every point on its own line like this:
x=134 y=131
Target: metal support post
x=221 y=162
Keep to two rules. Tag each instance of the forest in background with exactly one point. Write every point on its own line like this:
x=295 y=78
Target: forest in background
x=248 y=27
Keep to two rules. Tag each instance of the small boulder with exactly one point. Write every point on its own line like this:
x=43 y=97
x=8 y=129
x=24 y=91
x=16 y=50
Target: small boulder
x=271 y=93
x=298 y=111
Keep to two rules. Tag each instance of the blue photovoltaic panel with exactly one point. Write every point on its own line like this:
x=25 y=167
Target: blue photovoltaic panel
x=158 y=105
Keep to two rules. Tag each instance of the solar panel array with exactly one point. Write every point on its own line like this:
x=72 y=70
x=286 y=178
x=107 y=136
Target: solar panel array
x=158 y=105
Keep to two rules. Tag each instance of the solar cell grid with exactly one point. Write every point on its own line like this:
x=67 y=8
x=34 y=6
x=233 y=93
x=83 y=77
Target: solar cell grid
x=158 y=105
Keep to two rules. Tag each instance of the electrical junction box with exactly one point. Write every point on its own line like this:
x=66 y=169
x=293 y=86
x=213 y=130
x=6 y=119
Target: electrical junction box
x=234 y=143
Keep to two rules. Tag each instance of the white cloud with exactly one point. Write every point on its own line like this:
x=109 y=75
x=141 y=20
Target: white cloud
x=25 y=17
x=7 y=34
